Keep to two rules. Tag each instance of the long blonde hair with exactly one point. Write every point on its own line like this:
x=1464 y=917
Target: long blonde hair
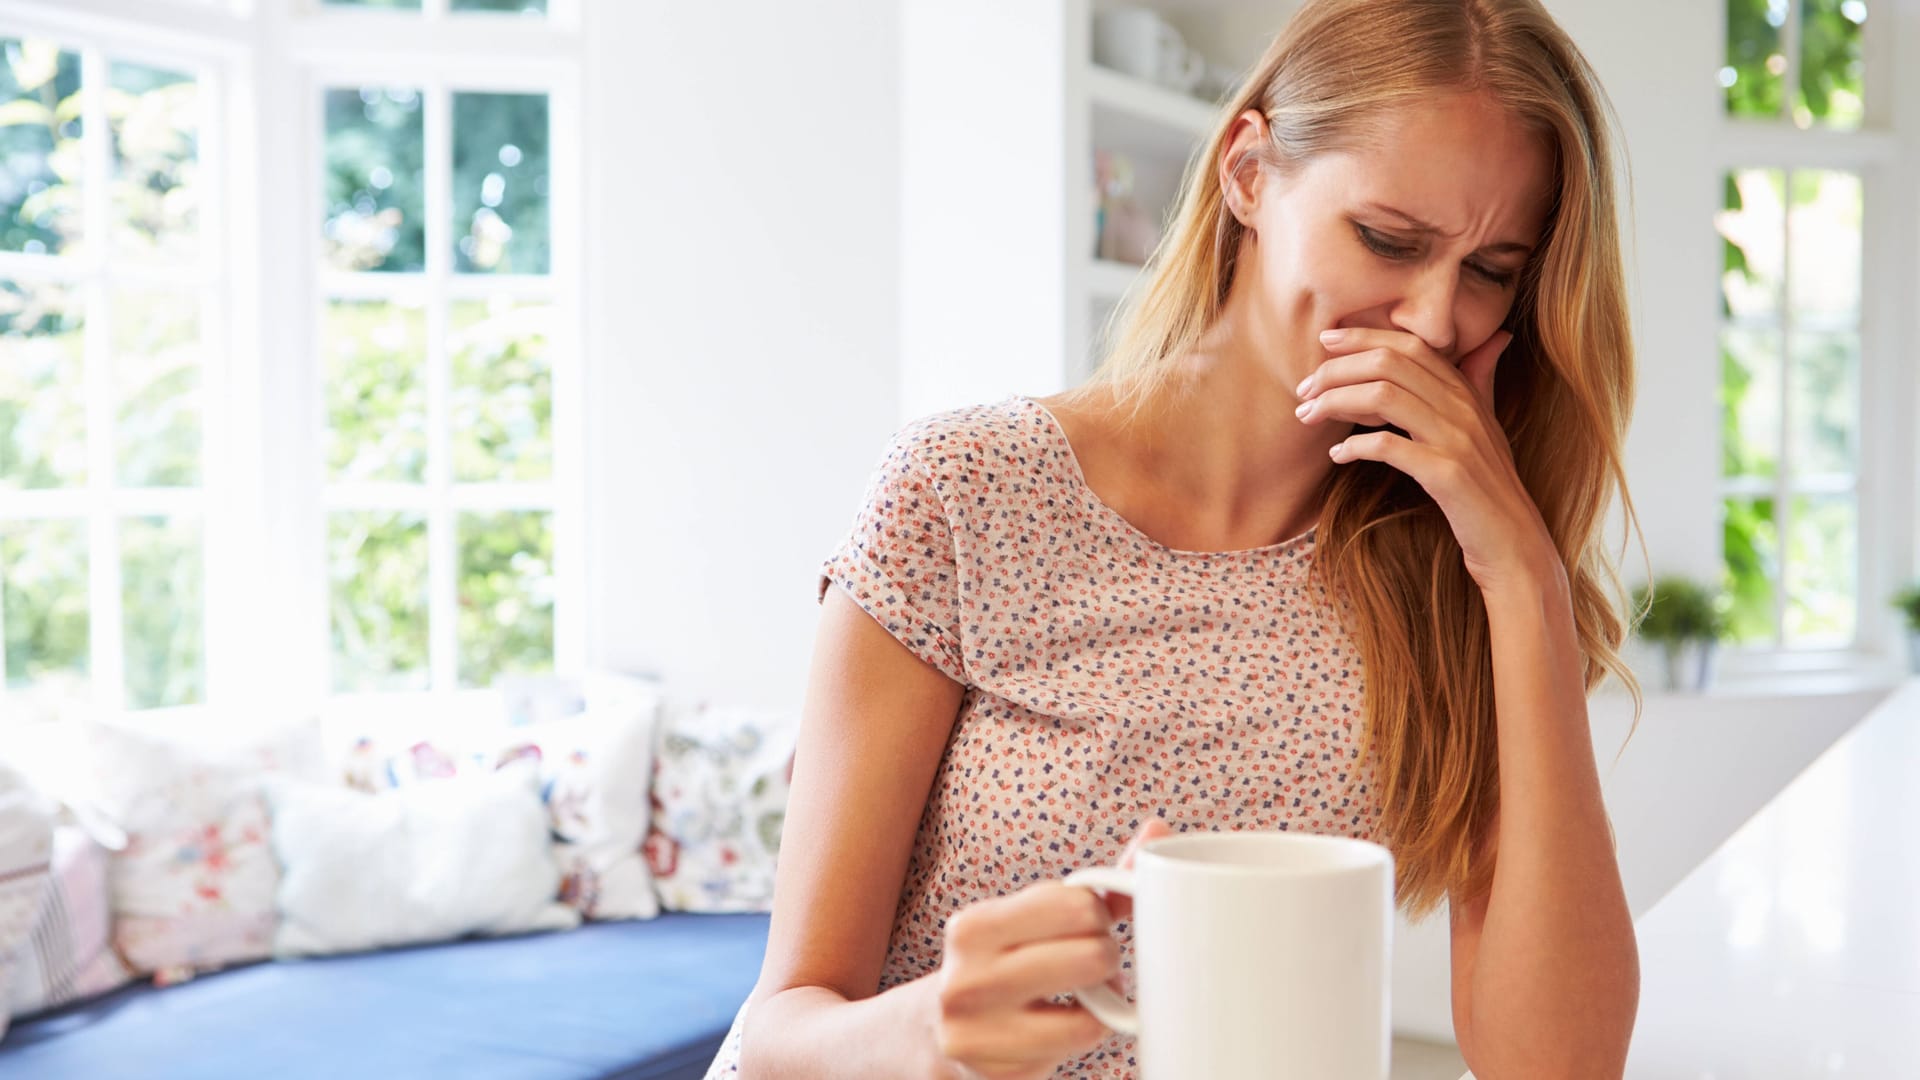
x=1565 y=391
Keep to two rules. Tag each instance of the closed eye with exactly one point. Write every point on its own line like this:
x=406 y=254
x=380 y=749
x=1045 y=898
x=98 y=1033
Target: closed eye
x=1381 y=245
x=1384 y=247
x=1502 y=278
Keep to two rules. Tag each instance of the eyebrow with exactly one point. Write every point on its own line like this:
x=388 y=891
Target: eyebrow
x=1502 y=248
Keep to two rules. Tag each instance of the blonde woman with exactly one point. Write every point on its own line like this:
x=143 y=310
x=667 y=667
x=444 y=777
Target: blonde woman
x=1318 y=549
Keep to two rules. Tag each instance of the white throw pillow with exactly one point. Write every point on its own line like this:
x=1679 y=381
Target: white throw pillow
x=428 y=862
x=594 y=767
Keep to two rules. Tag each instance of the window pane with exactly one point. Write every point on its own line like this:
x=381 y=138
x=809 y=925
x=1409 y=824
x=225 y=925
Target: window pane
x=1831 y=69
x=1824 y=281
x=43 y=412
x=500 y=183
x=375 y=189
x=506 y=595
x=1750 y=545
x=376 y=391
x=1822 y=539
x=157 y=373
x=154 y=116
x=410 y=5
x=527 y=7
x=1753 y=230
x=1755 y=71
x=377 y=562
x=160 y=584
x=502 y=391
x=1750 y=363
x=40 y=159
x=1825 y=404
x=43 y=602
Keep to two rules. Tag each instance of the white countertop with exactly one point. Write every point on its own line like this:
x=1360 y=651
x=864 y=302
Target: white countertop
x=1793 y=951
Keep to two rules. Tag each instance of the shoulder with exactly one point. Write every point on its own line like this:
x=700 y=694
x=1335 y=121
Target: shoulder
x=973 y=446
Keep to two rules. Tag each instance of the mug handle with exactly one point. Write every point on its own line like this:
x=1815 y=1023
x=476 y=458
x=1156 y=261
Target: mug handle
x=1107 y=1006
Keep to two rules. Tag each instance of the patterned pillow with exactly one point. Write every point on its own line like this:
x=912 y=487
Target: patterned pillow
x=69 y=956
x=592 y=769
x=720 y=784
x=26 y=850
x=193 y=889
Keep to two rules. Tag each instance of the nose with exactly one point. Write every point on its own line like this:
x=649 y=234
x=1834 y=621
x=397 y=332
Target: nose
x=1426 y=309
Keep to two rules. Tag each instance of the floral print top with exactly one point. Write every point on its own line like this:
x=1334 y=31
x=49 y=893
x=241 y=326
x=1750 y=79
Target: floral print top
x=1108 y=678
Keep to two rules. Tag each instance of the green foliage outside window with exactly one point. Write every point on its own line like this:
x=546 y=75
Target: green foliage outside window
x=1830 y=88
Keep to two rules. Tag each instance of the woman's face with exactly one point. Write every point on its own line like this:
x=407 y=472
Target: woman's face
x=1423 y=228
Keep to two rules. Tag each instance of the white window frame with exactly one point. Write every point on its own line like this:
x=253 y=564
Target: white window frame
x=100 y=506
x=264 y=519
x=1880 y=153
x=440 y=54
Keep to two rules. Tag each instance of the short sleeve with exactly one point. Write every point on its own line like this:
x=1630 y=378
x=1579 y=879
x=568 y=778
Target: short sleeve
x=897 y=561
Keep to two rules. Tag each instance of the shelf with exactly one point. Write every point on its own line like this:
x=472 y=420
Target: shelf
x=1110 y=280
x=1135 y=116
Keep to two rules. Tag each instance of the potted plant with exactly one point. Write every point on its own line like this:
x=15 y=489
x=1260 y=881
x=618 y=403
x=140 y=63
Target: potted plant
x=1687 y=620
x=1908 y=601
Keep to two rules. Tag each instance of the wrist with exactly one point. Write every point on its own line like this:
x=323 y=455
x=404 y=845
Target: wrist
x=1534 y=580
x=920 y=1000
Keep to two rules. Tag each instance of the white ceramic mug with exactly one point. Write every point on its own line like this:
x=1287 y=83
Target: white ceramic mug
x=1257 y=955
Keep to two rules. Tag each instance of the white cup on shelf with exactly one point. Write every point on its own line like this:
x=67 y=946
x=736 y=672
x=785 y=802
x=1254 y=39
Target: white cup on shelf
x=1138 y=42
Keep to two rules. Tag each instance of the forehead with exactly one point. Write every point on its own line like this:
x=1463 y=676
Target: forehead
x=1460 y=162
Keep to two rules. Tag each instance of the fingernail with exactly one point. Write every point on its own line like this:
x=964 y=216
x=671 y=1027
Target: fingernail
x=1338 y=451
x=1329 y=337
x=1305 y=385
x=1305 y=408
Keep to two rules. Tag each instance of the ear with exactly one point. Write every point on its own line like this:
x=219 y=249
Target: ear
x=1239 y=176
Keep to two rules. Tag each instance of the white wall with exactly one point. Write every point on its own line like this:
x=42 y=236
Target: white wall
x=1653 y=57
x=743 y=208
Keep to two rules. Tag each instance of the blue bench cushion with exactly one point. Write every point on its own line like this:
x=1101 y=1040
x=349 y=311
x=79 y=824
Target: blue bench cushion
x=644 y=1000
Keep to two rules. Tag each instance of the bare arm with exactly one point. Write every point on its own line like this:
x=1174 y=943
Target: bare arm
x=1546 y=971
x=873 y=726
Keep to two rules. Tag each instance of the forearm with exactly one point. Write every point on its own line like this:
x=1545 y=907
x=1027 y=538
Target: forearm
x=812 y=1032
x=1555 y=984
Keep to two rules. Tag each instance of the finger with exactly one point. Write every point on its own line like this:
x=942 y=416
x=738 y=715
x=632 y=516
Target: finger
x=1402 y=453
x=1375 y=404
x=1007 y=1044
x=1343 y=341
x=1432 y=379
x=1154 y=829
x=1038 y=970
x=1120 y=905
x=1478 y=366
x=1044 y=911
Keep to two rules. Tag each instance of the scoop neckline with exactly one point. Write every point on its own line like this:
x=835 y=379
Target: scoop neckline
x=1304 y=540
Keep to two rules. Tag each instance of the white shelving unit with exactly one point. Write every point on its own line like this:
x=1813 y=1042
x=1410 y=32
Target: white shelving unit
x=1002 y=110
x=1159 y=131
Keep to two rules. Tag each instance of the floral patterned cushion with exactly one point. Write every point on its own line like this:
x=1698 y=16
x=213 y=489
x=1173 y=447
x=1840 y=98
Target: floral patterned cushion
x=720 y=784
x=193 y=888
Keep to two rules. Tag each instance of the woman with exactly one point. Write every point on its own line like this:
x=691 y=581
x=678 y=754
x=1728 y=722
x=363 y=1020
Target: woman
x=1289 y=562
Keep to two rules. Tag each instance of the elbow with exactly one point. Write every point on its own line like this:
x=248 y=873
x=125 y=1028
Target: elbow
x=1592 y=1045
